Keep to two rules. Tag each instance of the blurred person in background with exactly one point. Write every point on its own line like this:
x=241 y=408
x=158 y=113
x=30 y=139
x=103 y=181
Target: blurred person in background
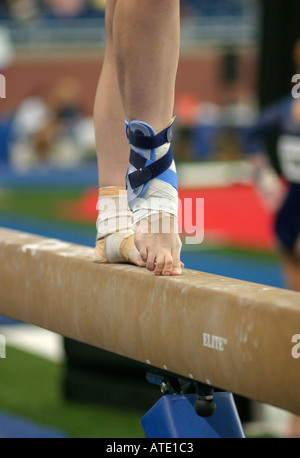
x=31 y=116
x=63 y=133
x=47 y=127
x=205 y=131
x=282 y=119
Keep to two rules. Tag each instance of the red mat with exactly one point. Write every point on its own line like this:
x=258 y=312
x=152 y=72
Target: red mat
x=235 y=215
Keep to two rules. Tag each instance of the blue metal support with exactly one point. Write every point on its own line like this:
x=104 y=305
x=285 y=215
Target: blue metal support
x=202 y=414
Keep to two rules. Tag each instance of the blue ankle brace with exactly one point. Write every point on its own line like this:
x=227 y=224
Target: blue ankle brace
x=148 y=159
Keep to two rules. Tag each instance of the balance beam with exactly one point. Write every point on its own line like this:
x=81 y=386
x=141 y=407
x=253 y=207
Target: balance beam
x=235 y=335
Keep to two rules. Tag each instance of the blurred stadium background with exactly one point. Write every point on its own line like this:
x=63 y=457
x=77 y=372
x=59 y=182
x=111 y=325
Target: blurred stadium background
x=51 y=52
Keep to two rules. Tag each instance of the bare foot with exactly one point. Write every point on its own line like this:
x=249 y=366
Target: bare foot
x=159 y=245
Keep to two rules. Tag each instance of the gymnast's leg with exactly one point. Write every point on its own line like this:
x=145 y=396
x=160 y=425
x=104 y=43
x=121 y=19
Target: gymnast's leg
x=112 y=156
x=145 y=39
x=146 y=47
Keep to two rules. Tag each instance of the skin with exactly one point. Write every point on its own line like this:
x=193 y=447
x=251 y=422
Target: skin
x=138 y=82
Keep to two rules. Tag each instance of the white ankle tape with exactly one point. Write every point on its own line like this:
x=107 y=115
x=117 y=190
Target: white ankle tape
x=113 y=244
x=114 y=223
x=114 y=215
x=159 y=197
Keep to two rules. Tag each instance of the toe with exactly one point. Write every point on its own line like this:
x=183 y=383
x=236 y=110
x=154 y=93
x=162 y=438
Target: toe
x=135 y=257
x=177 y=266
x=168 y=265
x=150 y=262
x=159 y=265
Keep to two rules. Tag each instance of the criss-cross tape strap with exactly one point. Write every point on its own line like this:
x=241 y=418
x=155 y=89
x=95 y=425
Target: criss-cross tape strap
x=145 y=173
